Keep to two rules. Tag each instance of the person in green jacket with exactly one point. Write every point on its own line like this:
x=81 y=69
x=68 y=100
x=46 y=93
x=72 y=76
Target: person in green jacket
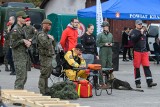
x=105 y=43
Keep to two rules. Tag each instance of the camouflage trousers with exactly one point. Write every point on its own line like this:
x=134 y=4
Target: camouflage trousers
x=21 y=74
x=29 y=63
x=45 y=72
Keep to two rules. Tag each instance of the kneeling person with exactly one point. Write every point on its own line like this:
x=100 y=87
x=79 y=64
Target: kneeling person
x=74 y=59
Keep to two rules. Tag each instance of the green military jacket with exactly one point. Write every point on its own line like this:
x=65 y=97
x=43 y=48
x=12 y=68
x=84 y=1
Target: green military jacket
x=30 y=32
x=105 y=52
x=45 y=44
x=103 y=38
x=18 y=46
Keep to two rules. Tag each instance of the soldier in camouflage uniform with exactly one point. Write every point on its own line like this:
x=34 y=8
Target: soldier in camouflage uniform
x=46 y=52
x=19 y=50
x=30 y=33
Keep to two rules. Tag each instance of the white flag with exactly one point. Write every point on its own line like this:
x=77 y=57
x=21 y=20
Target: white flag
x=99 y=17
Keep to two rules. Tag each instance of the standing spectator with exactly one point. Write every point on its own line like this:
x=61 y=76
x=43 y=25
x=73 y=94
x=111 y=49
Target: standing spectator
x=6 y=46
x=9 y=57
x=1 y=49
x=105 y=42
x=46 y=52
x=30 y=33
x=141 y=56
x=125 y=39
x=19 y=47
x=144 y=27
x=156 y=47
x=10 y=25
x=89 y=43
x=130 y=43
x=70 y=35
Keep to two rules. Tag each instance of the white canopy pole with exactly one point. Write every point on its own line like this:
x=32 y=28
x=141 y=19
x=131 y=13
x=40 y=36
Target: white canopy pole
x=99 y=18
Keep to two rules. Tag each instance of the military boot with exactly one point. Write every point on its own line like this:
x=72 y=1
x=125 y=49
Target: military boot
x=12 y=73
x=149 y=77
x=152 y=84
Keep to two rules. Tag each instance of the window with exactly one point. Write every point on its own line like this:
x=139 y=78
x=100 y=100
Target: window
x=153 y=31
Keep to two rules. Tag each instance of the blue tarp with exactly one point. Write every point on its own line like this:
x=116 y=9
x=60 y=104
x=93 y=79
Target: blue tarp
x=126 y=9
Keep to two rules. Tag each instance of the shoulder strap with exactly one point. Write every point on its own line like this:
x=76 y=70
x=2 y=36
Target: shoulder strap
x=36 y=37
x=72 y=53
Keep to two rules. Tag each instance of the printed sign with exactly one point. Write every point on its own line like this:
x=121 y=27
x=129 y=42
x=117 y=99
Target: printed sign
x=144 y=16
x=81 y=29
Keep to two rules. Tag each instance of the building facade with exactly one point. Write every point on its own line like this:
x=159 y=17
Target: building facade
x=71 y=7
x=62 y=6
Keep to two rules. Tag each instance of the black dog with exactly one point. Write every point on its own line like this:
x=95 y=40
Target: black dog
x=122 y=85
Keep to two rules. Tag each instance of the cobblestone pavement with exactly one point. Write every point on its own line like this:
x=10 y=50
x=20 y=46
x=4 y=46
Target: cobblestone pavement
x=120 y=98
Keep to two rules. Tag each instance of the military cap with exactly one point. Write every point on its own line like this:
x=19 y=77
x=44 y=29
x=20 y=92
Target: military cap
x=46 y=21
x=21 y=13
x=105 y=24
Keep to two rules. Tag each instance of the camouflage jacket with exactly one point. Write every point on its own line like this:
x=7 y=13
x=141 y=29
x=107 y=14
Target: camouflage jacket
x=45 y=44
x=17 y=43
x=30 y=32
x=7 y=37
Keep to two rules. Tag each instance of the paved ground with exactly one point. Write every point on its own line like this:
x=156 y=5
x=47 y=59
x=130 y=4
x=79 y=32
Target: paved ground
x=120 y=98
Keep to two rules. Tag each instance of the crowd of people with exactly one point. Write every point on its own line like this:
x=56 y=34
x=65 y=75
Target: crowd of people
x=20 y=43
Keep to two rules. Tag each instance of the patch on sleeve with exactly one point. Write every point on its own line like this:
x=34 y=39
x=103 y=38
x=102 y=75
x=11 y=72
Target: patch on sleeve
x=70 y=56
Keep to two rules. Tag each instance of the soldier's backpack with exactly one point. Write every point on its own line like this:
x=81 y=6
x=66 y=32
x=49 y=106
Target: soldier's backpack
x=57 y=71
